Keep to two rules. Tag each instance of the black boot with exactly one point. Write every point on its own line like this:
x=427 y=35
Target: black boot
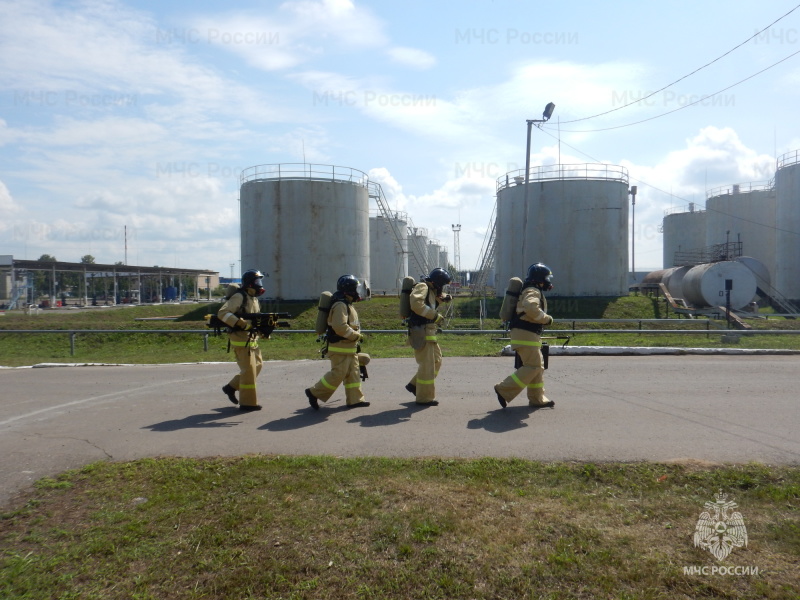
x=230 y=393
x=312 y=400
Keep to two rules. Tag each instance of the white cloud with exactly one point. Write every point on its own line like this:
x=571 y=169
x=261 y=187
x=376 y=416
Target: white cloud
x=412 y=57
x=295 y=33
x=7 y=205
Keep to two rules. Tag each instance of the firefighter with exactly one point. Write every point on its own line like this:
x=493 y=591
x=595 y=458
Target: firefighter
x=530 y=316
x=244 y=340
x=343 y=338
x=426 y=296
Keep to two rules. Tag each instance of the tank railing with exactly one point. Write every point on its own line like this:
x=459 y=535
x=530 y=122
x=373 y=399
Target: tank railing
x=790 y=158
x=586 y=171
x=741 y=188
x=304 y=171
x=691 y=208
x=709 y=254
x=396 y=215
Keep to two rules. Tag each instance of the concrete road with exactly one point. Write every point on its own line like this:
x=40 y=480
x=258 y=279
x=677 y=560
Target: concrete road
x=726 y=409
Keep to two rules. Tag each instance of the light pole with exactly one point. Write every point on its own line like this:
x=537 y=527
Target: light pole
x=632 y=192
x=548 y=112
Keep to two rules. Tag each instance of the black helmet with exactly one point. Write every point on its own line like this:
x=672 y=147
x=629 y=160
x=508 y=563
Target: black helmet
x=540 y=273
x=348 y=284
x=440 y=278
x=252 y=279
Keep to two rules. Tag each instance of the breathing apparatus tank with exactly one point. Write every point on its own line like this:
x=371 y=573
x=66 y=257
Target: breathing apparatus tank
x=405 y=296
x=324 y=307
x=510 y=299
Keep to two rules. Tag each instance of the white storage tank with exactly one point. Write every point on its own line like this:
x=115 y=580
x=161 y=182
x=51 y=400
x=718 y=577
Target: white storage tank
x=673 y=280
x=433 y=254
x=759 y=269
x=787 y=214
x=305 y=226
x=576 y=223
x=743 y=213
x=705 y=285
x=388 y=263
x=684 y=230
x=418 y=264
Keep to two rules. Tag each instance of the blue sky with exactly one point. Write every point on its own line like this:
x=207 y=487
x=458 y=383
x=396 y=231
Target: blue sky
x=142 y=115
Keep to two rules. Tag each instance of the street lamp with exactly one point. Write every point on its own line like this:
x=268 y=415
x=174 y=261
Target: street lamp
x=548 y=112
x=632 y=192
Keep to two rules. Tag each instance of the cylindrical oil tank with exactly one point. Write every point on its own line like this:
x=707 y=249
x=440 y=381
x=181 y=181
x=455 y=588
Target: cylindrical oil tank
x=305 y=226
x=743 y=213
x=705 y=285
x=759 y=269
x=418 y=264
x=433 y=254
x=575 y=222
x=673 y=280
x=444 y=259
x=684 y=230
x=787 y=215
x=388 y=260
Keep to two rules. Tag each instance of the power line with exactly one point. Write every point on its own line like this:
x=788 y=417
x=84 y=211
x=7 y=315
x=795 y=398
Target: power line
x=687 y=75
x=680 y=107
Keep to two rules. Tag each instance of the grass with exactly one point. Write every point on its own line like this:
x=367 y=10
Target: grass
x=377 y=314
x=324 y=527
x=275 y=527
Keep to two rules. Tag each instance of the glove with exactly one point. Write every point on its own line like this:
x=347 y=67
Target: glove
x=242 y=324
x=447 y=298
x=551 y=319
x=439 y=318
x=360 y=339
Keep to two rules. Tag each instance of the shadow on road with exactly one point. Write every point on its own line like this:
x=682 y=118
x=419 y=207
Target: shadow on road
x=390 y=417
x=197 y=421
x=502 y=420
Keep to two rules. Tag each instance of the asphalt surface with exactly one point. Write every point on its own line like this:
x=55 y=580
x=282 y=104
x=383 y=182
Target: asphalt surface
x=719 y=409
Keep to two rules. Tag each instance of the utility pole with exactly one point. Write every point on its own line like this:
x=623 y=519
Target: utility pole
x=632 y=192
x=548 y=112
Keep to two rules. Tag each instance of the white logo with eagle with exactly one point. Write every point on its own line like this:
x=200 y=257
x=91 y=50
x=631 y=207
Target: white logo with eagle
x=719 y=530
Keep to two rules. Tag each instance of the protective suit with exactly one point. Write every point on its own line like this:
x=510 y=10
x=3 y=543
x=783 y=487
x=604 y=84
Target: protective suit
x=423 y=325
x=531 y=314
x=244 y=341
x=343 y=337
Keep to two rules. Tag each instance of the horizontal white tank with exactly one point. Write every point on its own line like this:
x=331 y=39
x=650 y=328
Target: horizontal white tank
x=673 y=280
x=684 y=230
x=704 y=285
x=305 y=226
x=388 y=262
x=576 y=223
x=787 y=215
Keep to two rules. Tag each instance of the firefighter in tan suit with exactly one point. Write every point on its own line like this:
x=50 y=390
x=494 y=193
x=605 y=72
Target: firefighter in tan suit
x=423 y=324
x=244 y=340
x=527 y=324
x=343 y=336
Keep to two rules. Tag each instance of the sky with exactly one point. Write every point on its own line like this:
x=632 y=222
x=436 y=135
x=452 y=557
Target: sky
x=125 y=125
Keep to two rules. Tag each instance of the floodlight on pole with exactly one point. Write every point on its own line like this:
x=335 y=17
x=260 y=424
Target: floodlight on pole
x=548 y=112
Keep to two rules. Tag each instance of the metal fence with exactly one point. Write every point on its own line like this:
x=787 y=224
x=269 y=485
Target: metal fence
x=572 y=332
